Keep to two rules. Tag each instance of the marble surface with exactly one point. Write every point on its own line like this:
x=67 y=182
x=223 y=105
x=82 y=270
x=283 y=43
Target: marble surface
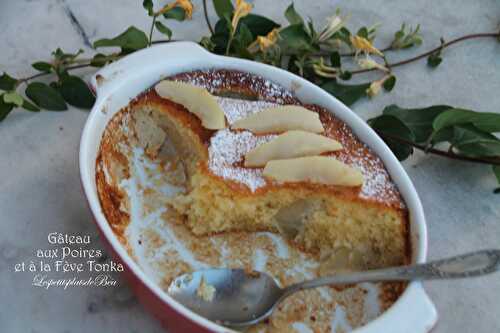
x=40 y=190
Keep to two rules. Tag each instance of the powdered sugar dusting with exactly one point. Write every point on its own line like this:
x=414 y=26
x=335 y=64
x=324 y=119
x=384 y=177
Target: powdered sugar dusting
x=227 y=150
x=236 y=109
x=377 y=183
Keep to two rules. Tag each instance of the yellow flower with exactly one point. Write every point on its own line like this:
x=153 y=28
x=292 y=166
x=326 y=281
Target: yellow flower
x=242 y=9
x=363 y=44
x=184 y=4
x=187 y=6
x=265 y=42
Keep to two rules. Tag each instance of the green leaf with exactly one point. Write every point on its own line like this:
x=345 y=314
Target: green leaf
x=242 y=40
x=45 y=96
x=220 y=38
x=445 y=135
x=292 y=66
x=163 y=29
x=418 y=120
x=363 y=32
x=467 y=133
x=66 y=57
x=389 y=83
x=131 y=40
x=292 y=16
x=13 y=98
x=42 y=66
x=335 y=59
x=389 y=126
x=404 y=39
x=480 y=148
x=345 y=75
x=99 y=60
x=434 y=60
x=344 y=35
x=148 y=5
x=310 y=29
x=56 y=85
x=223 y=8
x=296 y=38
x=76 y=92
x=29 y=106
x=348 y=94
x=207 y=43
x=244 y=36
x=5 y=108
x=176 y=13
x=470 y=141
x=398 y=36
x=258 y=25
x=484 y=121
x=496 y=171
x=7 y=82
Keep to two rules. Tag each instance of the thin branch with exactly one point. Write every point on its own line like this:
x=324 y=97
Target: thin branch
x=448 y=154
x=352 y=54
x=29 y=78
x=151 y=31
x=428 y=53
x=324 y=53
x=26 y=79
x=205 y=11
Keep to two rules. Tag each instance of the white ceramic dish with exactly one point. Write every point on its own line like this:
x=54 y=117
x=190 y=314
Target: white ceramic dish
x=118 y=83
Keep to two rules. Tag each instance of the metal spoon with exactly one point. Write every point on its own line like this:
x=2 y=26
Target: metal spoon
x=244 y=298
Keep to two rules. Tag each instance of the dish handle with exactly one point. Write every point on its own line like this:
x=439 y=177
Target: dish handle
x=414 y=313
x=144 y=62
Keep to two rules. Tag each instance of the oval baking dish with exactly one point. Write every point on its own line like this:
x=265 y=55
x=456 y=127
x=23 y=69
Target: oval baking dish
x=119 y=82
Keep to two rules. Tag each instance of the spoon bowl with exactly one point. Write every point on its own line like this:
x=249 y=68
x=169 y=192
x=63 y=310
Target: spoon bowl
x=241 y=297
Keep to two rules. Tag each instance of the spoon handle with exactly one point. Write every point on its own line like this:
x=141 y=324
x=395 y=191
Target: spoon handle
x=463 y=266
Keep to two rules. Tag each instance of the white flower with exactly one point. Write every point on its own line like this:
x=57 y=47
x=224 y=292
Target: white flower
x=369 y=63
x=334 y=24
x=376 y=86
x=323 y=70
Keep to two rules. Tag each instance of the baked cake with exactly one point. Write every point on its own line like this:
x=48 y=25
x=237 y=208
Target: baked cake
x=228 y=193
x=224 y=194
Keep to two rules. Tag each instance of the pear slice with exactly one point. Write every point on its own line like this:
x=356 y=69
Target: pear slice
x=281 y=119
x=314 y=169
x=196 y=99
x=289 y=145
